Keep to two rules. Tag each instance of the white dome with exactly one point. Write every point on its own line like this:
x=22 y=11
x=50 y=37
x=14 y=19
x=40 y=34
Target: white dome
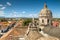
x=45 y=11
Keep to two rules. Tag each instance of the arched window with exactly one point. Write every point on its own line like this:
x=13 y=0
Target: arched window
x=39 y=29
x=48 y=21
x=42 y=21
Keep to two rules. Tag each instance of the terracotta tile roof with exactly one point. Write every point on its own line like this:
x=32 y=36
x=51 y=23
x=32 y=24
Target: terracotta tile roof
x=18 y=31
x=15 y=32
x=3 y=26
x=55 y=23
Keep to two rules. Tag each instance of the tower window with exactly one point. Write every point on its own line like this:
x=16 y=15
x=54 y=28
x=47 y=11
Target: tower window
x=39 y=29
x=48 y=20
x=42 y=21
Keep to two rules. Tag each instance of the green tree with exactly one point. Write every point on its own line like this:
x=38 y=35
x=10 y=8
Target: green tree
x=26 y=22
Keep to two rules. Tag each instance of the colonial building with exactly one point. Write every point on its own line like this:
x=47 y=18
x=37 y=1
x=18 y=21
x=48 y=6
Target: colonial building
x=33 y=31
x=45 y=17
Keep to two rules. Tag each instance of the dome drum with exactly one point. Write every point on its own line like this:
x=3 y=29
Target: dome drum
x=45 y=16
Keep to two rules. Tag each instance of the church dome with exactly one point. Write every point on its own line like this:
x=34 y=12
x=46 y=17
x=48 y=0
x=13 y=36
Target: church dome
x=45 y=11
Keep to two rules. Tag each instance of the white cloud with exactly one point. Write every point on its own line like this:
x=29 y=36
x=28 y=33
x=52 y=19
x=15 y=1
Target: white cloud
x=17 y=14
x=3 y=8
x=1 y=13
x=14 y=15
x=23 y=11
x=8 y=3
x=14 y=12
x=33 y=15
x=1 y=5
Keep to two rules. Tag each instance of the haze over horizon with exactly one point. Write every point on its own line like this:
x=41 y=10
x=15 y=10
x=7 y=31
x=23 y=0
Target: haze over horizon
x=28 y=8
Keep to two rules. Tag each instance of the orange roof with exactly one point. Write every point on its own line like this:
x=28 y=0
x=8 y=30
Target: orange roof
x=15 y=32
x=19 y=31
x=55 y=23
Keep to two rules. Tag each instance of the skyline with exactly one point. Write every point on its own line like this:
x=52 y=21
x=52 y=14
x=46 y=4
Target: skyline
x=28 y=8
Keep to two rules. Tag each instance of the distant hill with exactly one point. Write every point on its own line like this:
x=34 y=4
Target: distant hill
x=58 y=19
x=25 y=18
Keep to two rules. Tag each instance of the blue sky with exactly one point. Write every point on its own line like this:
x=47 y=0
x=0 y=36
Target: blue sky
x=27 y=8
